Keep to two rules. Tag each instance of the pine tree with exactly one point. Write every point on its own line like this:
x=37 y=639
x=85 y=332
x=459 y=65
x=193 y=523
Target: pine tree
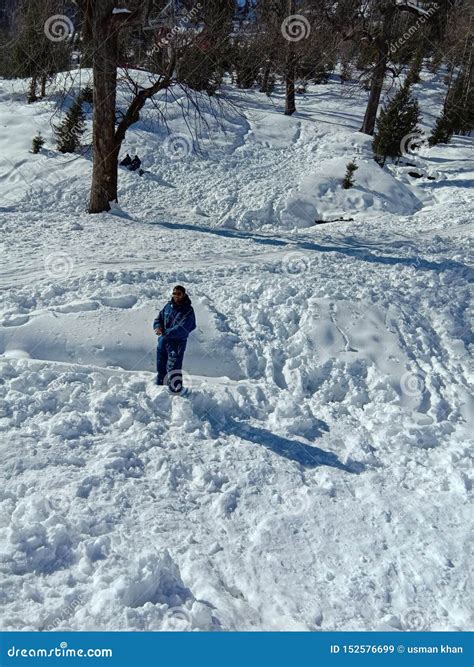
x=467 y=117
x=198 y=73
x=69 y=132
x=86 y=95
x=30 y=53
x=346 y=71
x=37 y=143
x=348 y=180
x=442 y=131
x=413 y=75
x=397 y=119
x=458 y=113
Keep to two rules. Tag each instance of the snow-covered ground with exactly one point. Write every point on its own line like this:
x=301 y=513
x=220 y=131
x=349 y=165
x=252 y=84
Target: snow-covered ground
x=317 y=476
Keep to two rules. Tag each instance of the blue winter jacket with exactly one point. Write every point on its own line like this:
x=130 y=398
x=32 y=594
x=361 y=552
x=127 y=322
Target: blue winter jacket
x=176 y=321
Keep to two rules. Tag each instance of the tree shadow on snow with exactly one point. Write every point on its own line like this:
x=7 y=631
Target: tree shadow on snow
x=357 y=250
x=294 y=450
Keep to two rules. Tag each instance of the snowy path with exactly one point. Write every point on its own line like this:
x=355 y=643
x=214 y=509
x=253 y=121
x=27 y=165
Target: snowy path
x=317 y=476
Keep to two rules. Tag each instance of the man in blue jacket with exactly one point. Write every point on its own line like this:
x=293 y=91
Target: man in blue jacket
x=173 y=326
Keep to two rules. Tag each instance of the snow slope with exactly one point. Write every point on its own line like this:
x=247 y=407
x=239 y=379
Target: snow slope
x=318 y=475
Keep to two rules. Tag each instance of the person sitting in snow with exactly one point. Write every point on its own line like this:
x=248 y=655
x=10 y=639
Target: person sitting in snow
x=127 y=161
x=172 y=326
x=135 y=164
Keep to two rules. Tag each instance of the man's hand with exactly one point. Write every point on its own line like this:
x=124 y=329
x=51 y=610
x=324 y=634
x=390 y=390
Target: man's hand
x=158 y=331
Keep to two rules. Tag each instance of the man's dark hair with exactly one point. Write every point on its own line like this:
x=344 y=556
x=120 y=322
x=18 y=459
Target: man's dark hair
x=180 y=288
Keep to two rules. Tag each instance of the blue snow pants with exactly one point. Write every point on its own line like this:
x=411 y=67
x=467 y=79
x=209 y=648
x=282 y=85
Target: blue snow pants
x=169 y=363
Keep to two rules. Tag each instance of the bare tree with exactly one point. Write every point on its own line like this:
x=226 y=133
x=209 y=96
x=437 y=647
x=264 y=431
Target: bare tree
x=378 y=23
x=104 y=23
x=102 y=26
x=286 y=38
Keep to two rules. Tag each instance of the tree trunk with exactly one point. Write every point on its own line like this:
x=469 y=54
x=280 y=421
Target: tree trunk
x=469 y=69
x=105 y=147
x=43 y=85
x=290 y=104
x=376 y=86
x=382 y=43
x=32 y=91
x=448 y=87
x=266 y=75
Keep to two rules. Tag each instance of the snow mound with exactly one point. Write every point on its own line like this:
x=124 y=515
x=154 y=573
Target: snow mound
x=143 y=593
x=320 y=196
